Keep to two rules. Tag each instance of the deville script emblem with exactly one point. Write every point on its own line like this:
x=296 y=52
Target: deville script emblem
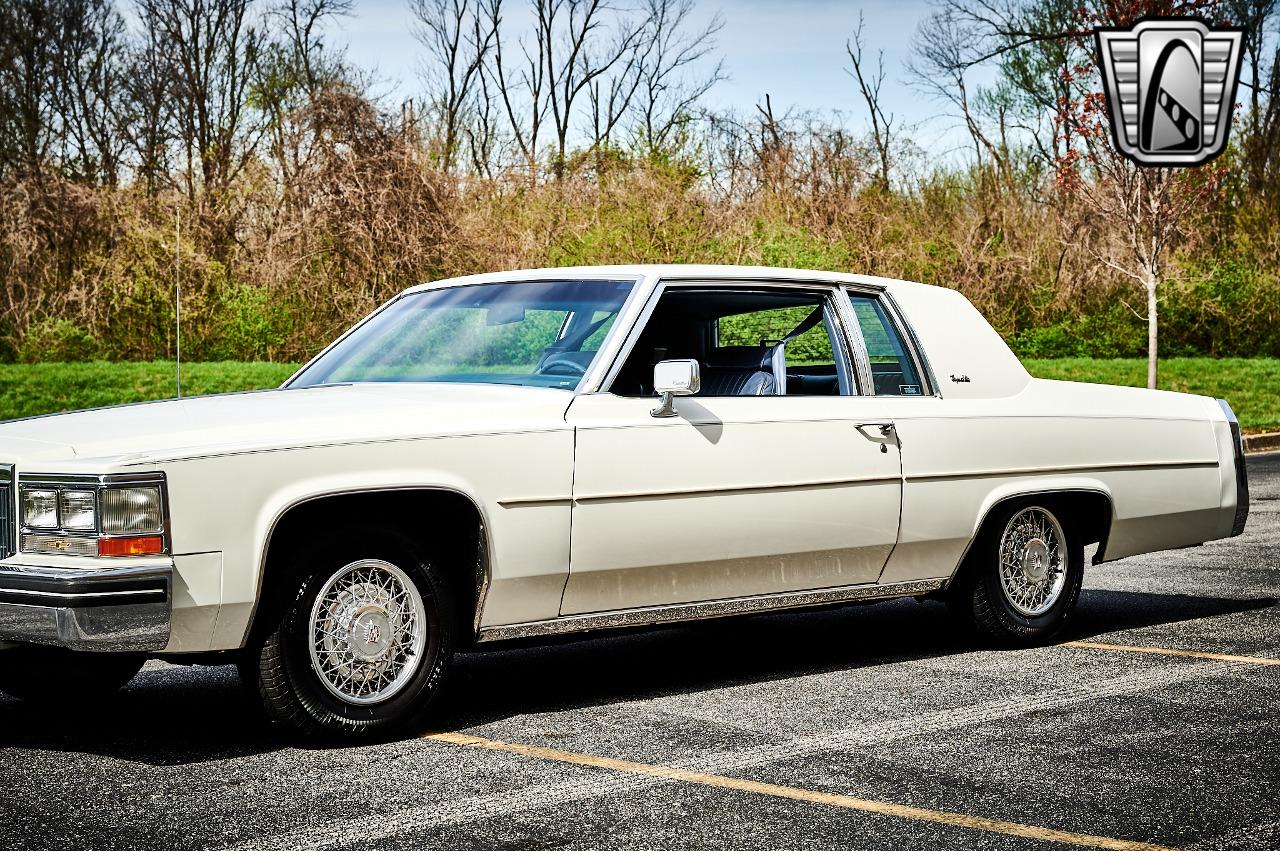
x=1171 y=88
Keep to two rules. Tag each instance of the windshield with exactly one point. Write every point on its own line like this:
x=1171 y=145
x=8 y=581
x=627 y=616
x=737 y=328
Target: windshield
x=541 y=334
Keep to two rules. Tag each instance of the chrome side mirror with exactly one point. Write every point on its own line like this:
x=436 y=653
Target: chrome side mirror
x=672 y=378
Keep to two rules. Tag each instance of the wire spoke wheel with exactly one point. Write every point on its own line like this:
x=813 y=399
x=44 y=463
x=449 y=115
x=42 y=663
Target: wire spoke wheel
x=368 y=629
x=1033 y=561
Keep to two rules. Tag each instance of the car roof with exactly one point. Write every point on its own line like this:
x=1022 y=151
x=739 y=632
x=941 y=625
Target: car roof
x=650 y=272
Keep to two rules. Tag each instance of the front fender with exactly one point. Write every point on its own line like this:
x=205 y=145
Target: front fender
x=520 y=484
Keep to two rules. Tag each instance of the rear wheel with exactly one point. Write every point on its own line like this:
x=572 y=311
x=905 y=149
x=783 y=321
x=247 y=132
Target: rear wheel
x=54 y=675
x=1021 y=580
x=362 y=645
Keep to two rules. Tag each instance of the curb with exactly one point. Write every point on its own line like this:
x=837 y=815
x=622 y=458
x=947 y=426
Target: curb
x=1268 y=442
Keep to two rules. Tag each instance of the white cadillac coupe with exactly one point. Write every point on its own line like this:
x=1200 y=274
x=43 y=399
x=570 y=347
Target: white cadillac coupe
x=543 y=452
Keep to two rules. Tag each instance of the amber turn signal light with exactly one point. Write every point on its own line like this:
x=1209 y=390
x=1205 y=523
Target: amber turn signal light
x=144 y=545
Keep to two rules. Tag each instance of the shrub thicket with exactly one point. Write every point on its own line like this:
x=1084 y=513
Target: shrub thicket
x=224 y=144
x=99 y=282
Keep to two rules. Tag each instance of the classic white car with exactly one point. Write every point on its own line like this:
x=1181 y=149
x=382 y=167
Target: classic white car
x=543 y=452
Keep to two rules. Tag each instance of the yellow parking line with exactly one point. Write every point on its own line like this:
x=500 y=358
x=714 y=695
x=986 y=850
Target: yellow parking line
x=1169 y=651
x=720 y=781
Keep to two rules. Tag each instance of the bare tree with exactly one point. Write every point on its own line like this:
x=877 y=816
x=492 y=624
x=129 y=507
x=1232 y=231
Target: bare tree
x=292 y=67
x=458 y=36
x=571 y=36
x=576 y=44
x=148 y=121
x=869 y=85
x=61 y=80
x=1151 y=207
x=209 y=48
x=1039 y=49
x=30 y=60
x=521 y=88
x=610 y=96
x=482 y=130
x=771 y=144
x=670 y=82
x=1262 y=80
x=91 y=83
x=946 y=47
x=301 y=20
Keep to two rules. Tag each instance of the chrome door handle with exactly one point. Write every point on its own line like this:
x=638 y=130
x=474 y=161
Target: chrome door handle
x=886 y=429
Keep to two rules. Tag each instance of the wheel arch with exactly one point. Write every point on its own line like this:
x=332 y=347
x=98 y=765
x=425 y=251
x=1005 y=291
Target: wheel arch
x=1089 y=507
x=468 y=588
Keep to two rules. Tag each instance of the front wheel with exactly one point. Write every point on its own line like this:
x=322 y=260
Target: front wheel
x=362 y=647
x=51 y=675
x=1021 y=580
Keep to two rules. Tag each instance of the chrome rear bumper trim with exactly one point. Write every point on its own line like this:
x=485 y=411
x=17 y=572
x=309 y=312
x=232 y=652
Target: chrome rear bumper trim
x=1242 y=472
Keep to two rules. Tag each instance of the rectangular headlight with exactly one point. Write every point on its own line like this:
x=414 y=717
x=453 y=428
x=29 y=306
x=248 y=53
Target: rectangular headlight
x=79 y=510
x=40 y=509
x=132 y=511
x=87 y=515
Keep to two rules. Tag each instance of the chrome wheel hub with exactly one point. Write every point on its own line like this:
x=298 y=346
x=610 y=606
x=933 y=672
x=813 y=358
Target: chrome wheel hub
x=1033 y=567
x=1035 y=559
x=368 y=630
x=370 y=635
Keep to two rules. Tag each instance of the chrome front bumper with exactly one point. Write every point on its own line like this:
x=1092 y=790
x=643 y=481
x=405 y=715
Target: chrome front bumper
x=116 y=609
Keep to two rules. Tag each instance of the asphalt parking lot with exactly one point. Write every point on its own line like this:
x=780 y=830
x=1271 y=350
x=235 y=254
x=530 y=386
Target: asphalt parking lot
x=1156 y=721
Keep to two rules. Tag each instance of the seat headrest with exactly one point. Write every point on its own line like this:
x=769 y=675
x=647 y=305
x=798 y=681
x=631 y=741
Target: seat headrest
x=741 y=357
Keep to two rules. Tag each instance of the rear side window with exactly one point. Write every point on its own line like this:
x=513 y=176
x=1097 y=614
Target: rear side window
x=893 y=371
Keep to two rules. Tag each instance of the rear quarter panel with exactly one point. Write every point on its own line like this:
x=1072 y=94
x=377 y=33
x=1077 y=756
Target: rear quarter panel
x=1156 y=456
x=1163 y=459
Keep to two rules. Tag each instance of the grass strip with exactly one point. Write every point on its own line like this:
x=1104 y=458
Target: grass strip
x=1251 y=385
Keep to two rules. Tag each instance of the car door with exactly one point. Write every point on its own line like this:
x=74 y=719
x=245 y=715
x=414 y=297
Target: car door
x=736 y=495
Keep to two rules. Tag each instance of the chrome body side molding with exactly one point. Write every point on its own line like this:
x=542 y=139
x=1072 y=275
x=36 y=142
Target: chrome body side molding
x=707 y=609
x=1069 y=468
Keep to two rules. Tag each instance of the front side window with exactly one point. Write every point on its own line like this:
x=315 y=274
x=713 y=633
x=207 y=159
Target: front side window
x=757 y=342
x=538 y=333
x=893 y=372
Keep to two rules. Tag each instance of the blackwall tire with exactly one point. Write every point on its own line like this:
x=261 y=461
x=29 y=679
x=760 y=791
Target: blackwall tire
x=360 y=646
x=1021 y=580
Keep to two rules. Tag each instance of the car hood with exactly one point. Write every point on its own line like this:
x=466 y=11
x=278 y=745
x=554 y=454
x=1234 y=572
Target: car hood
x=266 y=419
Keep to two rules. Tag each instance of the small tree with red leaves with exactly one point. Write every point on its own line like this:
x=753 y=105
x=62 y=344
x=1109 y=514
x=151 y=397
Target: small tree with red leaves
x=1150 y=205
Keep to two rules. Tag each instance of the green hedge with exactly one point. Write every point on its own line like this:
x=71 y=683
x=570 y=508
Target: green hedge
x=1216 y=309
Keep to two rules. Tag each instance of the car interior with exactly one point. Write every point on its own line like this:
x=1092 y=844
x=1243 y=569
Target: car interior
x=747 y=343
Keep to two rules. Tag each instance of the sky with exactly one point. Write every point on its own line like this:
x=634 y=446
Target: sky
x=794 y=50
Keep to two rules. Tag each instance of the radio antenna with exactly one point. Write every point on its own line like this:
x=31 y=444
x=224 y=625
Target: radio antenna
x=177 y=292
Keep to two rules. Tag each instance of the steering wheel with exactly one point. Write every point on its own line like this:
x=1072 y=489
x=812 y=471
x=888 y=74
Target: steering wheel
x=562 y=365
